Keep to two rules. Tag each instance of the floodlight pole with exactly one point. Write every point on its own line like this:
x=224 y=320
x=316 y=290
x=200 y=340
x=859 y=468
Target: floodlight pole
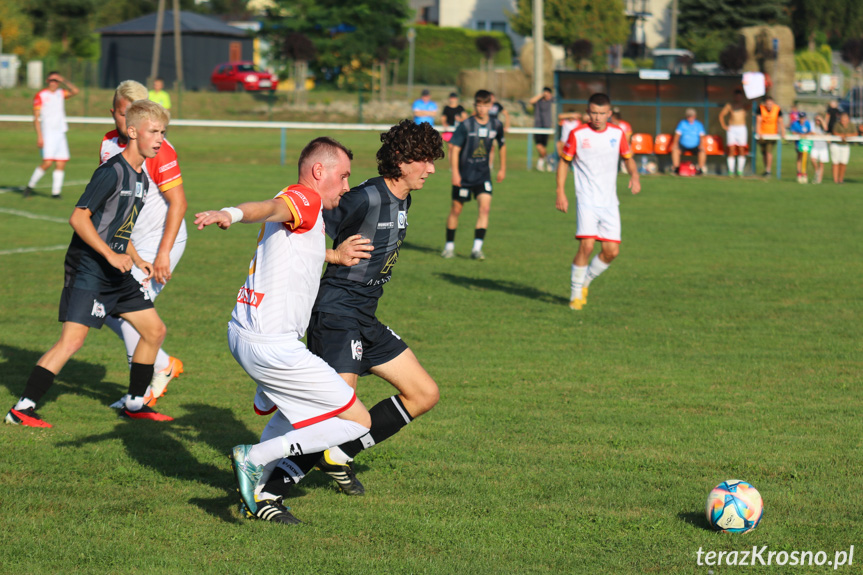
x=157 y=43
x=412 y=35
x=672 y=40
x=538 y=45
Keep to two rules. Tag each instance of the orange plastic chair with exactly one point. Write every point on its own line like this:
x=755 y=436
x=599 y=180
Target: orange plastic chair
x=642 y=144
x=714 y=146
x=662 y=145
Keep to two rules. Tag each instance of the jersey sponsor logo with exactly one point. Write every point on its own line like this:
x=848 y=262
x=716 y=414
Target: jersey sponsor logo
x=302 y=197
x=356 y=349
x=386 y=225
x=98 y=309
x=585 y=144
x=124 y=193
x=168 y=166
x=249 y=297
x=403 y=219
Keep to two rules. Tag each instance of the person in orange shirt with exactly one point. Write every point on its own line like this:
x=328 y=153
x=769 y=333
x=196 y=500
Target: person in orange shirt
x=768 y=122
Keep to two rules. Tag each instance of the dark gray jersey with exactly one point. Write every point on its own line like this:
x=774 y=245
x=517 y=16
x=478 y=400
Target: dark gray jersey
x=115 y=196
x=372 y=211
x=476 y=142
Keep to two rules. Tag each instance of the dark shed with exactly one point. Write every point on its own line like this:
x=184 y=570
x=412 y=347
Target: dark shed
x=127 y=49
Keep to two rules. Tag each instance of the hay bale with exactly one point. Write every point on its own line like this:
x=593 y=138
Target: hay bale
x=508 y=84
x=526 y=60
x=780 y=68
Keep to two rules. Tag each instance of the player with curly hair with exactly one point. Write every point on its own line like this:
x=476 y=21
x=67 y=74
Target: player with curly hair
x=344 y=330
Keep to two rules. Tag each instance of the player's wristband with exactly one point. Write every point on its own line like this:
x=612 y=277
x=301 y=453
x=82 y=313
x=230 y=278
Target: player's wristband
x=236 y=214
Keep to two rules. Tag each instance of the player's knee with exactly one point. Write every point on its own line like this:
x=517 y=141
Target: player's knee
x=610 y=254
x=426 y=397
x=155 y=333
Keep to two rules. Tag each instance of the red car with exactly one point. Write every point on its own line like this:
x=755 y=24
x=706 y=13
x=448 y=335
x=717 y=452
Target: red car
x=240 y=76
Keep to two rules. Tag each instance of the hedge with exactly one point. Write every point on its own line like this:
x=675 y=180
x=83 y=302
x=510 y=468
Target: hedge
x=440 y=53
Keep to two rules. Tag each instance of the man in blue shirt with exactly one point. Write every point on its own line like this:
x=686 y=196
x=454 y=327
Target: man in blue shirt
x=689 y=137
x=801 y=127
x=425 y=111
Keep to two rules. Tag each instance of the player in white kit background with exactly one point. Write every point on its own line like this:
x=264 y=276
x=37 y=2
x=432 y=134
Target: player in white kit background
x=159 y=234
x=594 y=149
x=49 y=119
x=315 y=409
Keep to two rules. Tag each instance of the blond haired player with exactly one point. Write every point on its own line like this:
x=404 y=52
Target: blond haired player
x=733 y=121
x=595 y=149
x=315 y=408
x=159 y=234
x=98 y=282
x=49 y=119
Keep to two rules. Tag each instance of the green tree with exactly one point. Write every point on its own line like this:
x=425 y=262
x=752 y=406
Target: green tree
x=348 y=36
x=602 y=23
x=707 y=26
x=16 y=29
x=838 y=20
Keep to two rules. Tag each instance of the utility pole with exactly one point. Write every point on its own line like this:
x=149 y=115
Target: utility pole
x=538 y=46
x=412 y=36
x=672 y=41
x=157 y=43
x=178 y=44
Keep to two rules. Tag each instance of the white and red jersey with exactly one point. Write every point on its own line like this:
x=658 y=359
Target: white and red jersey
x=51 y=107
x=595 y=156
x=285 y=272
x=626 y=127
x=163 y=171
x=566 y=127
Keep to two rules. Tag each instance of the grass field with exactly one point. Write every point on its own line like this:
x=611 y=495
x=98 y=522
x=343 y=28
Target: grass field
x=725 y=342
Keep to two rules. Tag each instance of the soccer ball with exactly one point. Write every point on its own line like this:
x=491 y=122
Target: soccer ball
x=734 y=506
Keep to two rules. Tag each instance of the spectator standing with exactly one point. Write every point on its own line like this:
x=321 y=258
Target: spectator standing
x=802 y=127
x=689 y=136
x=733 y=121
x=833 y=113
x=497 y=112
x=542 y=104
x=159 y=95
x=840 y=152
x=453 y=114
x=425 y=110
x=768 y=121
x=820 y=155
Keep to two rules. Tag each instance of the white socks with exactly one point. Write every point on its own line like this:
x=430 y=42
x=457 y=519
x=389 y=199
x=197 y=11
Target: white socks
x=130 y=338
x=730 y=161
x=596 y=267
x=57 y=181
x=449 y=246
x=37 y=175
x=577 y=281
x=741 y=163
x=477 y=245
x=312 y=439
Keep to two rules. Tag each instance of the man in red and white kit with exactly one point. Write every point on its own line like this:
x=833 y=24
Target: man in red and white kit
x=49 y=118
x=315 y=408
x=159 y=234
x=594 y=148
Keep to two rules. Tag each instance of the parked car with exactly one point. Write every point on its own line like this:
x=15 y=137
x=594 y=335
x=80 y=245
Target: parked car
x=242 y=76
x=676 y=61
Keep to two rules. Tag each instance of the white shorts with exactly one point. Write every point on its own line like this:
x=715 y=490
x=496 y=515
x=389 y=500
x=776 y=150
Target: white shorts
x=820 y=154
x=300 y=384
x=737 y=136
x=54 y=145
x=601 y=224
x=840 y=153
x=148 y=254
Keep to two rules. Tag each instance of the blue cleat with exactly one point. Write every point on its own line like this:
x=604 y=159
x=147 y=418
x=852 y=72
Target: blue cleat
x=247 y=475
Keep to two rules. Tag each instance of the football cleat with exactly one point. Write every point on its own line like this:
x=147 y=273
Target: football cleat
x=477 y=255
x=161 y=379
x=27 y=192
x=270 y=510
x=447 y=253
x=27 y=417
x=247 y=475
x=343 y=474
x=144 y=413
x=579 y=302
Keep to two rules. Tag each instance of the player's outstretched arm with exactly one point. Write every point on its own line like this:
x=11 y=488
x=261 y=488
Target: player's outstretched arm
x=351 y=251
x=275 y=210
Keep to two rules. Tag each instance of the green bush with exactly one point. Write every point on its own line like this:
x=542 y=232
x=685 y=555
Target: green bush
x=827 y=53
x=628 y=64
x=644 y=63
x=440 y=53
x=808 y=61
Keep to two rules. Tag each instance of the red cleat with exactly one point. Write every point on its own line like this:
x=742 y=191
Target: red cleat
x=27 y=417
x=144 y=413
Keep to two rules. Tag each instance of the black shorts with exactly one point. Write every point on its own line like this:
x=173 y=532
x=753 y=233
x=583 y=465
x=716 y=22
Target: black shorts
x=541 y=139
x=684 y=149
x=350 y=345
x=90 y=308
x=463 y=193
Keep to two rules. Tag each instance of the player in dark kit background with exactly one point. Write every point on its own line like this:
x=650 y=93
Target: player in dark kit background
x=344 y=330
x=470 y=159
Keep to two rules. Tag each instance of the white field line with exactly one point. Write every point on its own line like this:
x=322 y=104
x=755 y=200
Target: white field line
x=32 y=250
x=33 y=216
